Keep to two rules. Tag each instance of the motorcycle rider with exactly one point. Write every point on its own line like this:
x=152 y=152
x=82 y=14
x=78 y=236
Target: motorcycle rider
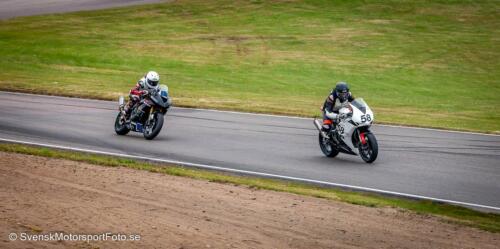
x=145 y=84
x=339 y=96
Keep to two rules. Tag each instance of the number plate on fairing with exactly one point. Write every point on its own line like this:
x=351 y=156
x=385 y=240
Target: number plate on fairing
x=366 y=118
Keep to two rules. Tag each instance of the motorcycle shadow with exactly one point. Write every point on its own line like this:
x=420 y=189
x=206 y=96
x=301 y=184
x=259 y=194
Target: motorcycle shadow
x=138 y=136
x=342 y=161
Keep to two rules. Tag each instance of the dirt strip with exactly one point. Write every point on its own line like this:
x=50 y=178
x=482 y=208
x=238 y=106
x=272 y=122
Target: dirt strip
x=42 y=196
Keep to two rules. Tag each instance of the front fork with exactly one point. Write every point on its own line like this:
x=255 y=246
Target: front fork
x=362 y=137
x=151 y=113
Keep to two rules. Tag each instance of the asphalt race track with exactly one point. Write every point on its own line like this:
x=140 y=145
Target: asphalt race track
x=462 y=167
x=14 y=8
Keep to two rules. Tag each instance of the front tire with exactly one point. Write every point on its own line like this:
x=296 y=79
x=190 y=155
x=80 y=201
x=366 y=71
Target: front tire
x=326 y=147
x=369 y=151
x=120 y=126
x=154 y=127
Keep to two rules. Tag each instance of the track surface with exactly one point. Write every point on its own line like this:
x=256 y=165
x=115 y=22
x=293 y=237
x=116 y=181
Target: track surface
x=13 y=8
x=447 y=165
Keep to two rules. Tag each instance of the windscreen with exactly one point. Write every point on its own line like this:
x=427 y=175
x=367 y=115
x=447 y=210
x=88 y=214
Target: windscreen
x=164 y=90
x=360 y=104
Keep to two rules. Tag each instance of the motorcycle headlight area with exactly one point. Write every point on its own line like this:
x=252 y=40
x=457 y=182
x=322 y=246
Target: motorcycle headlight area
x=164 y=91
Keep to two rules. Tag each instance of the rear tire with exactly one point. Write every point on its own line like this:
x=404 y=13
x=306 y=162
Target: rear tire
x=151 y=132
x=369 y=152
x=326 y=147
x=120 y=127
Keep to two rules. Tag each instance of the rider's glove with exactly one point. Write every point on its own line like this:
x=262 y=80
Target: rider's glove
x=331 y=115
x=145 y=92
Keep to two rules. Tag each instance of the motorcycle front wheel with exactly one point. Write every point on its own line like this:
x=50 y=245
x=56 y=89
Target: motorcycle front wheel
x=369 y=151
x=120 y=126
x=153 y=128
x=326 y=147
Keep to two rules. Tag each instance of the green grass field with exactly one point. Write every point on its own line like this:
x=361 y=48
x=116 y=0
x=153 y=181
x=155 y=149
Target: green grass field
x=424 y=63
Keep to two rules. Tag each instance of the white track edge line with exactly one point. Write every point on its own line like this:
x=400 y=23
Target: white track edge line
x=205 y=166
x=260 y=114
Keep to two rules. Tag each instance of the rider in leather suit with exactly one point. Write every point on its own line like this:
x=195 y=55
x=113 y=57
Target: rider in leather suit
x=149 y=81
x=337 y=97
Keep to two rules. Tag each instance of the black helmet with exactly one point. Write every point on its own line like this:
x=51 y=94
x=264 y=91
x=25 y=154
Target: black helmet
x=342 y=90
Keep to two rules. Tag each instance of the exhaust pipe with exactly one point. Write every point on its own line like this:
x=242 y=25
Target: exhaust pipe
x=317 y=124
x=319 y=127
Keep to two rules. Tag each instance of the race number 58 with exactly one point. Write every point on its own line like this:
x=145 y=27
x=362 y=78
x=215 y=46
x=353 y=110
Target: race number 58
x=365 y=118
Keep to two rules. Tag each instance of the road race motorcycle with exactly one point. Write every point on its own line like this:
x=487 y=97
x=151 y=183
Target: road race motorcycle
x=352 y=134
x=147 y=115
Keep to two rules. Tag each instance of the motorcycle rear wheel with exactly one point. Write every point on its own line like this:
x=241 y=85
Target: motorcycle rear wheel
x=326 y=147
x=369 y=151
x=120 y=126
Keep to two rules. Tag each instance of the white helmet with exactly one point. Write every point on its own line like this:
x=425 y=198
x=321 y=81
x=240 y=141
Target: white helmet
x=152 y=79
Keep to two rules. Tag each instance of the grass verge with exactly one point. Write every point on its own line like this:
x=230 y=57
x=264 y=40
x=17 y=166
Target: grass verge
x=486 y=221
x=424 y=63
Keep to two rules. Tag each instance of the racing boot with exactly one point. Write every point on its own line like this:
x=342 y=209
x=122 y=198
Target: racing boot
x=126 y=113
x=334 y=134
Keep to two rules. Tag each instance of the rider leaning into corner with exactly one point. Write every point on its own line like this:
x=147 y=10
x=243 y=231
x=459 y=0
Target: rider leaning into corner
x=339 y=96
x=148 y=82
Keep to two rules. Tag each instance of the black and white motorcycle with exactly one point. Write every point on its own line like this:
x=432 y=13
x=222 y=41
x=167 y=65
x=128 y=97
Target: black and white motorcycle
x=352 y=134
